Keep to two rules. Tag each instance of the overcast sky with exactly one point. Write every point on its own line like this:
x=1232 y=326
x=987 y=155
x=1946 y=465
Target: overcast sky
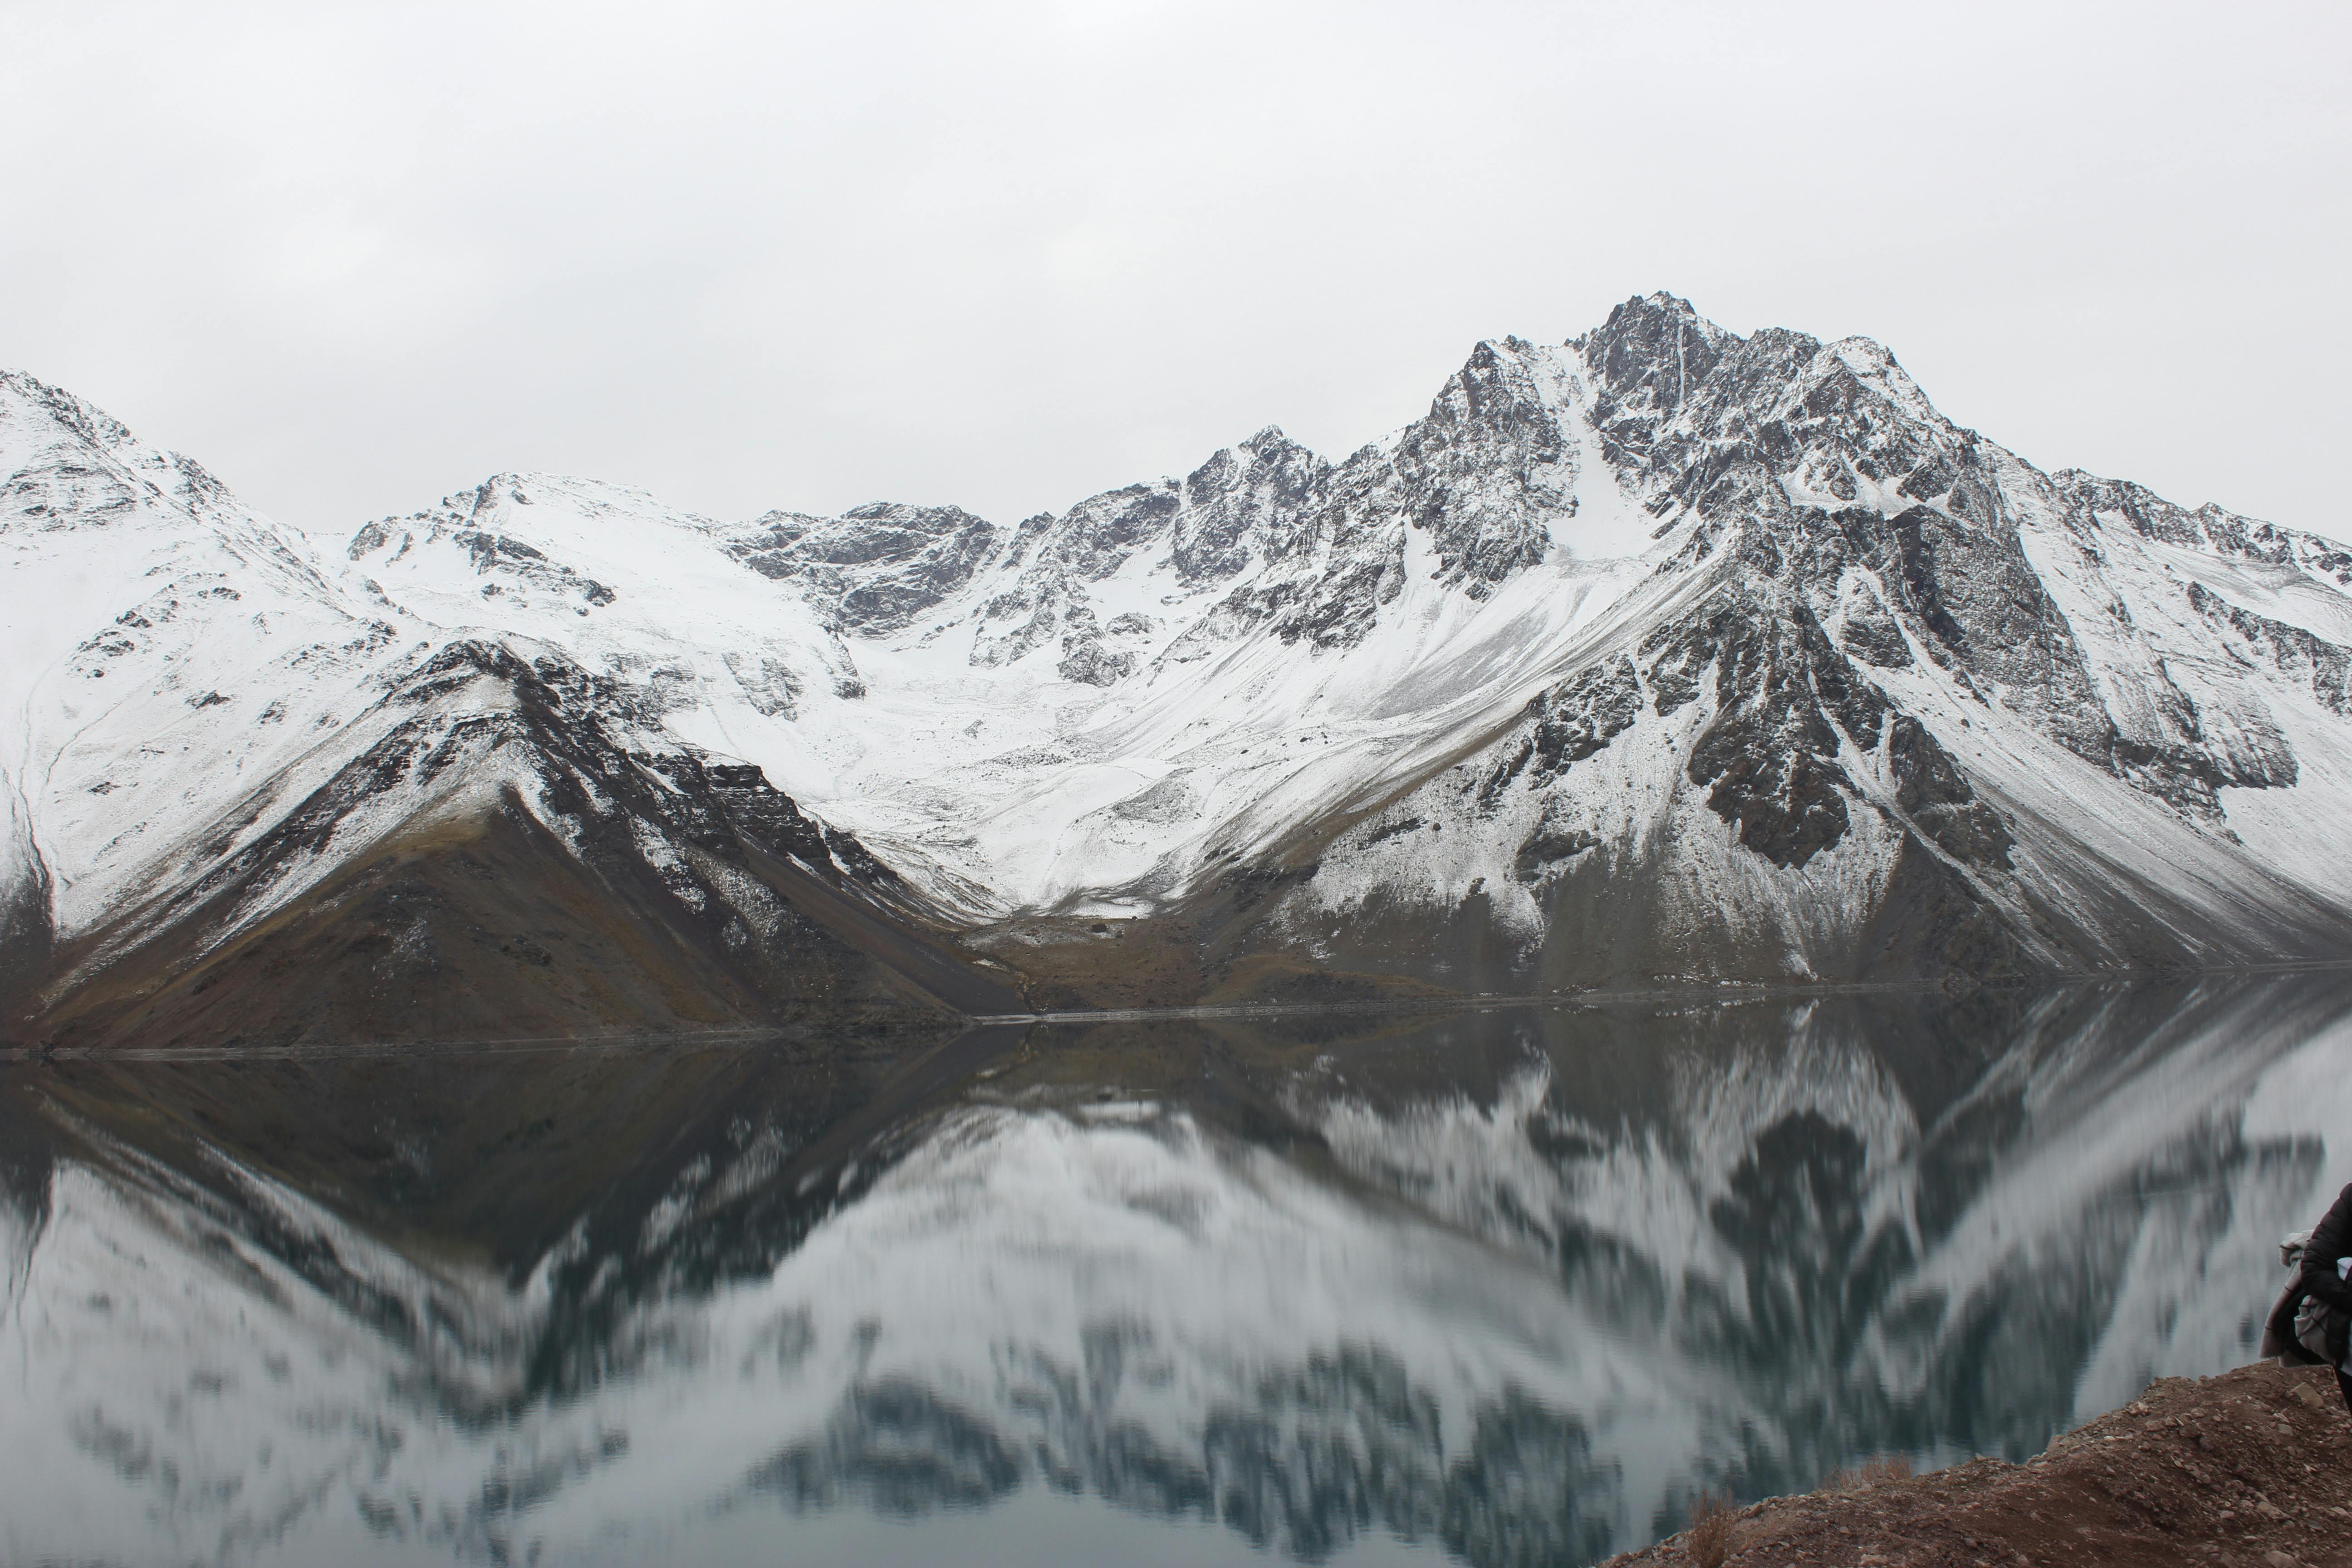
x=354 y=257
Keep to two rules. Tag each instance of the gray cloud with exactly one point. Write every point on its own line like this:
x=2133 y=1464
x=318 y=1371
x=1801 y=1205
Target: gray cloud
x=355 y=257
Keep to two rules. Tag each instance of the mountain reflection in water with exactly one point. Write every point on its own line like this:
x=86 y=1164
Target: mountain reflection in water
x=1508 y=1287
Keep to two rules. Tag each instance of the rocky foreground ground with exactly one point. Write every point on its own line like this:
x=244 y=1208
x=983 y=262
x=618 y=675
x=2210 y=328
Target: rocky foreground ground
x=2248 y=1469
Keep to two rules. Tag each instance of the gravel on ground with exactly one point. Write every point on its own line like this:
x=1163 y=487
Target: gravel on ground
x=2252 y=1469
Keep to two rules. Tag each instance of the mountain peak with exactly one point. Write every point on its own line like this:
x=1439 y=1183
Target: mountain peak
x=1644 y=315
x=910 y=514
x=30 y=393
x=66 y=458
x=1659 y=342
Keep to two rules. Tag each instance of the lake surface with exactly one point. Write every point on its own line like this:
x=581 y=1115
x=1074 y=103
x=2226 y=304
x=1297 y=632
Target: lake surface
x=1508 y=1287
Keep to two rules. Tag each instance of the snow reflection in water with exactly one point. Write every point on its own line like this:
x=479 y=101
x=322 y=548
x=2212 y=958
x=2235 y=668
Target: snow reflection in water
x=1503 y=1287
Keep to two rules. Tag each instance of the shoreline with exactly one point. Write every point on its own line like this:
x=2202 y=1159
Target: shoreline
x=2248 y=1469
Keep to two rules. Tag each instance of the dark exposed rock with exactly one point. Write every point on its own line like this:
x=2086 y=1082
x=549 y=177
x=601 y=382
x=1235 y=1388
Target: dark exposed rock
x=880 y=567
x=1570 y=722
x=1084 y=658
x=1647 y=358
x=2325 y=666
x=1267 y=499
x=1974 y=591
x=1040 y=596
x=562 y=715
x=27 y=927
x=1930 y=921
x=1957 y=574
x=1089 y=663
x=2208 y=527
x=1486 y=470
x=695 y=856
x=1872 y=636
x=1788 y=803
x=770 y=684
x=1547 y=847
x=1769 y=756
x=1052 y=561
x=1098 y=534
x=1580 y=717
x=468 y=521
x=1251 y=885
x=1776 y=416
x=1937 y=797
x=1169 y=800
x=1257 y=493
x=1486 y=473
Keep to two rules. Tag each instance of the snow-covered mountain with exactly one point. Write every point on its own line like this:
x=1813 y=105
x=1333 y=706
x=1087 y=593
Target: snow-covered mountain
x=1663 y=653
x=250 y=796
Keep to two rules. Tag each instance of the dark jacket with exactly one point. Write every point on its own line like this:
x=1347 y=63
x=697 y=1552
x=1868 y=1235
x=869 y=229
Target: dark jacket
x=2330 y=1240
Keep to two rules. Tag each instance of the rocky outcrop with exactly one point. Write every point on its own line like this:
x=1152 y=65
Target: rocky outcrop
x=880 y=567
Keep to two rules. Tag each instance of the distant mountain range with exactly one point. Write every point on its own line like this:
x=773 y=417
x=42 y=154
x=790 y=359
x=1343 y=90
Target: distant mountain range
x=1661 y=656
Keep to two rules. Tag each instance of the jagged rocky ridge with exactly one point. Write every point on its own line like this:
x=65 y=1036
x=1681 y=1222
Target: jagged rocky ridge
x=1661 y=653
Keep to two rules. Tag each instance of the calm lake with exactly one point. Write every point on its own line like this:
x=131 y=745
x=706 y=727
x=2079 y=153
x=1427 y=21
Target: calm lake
x=1505 y=1287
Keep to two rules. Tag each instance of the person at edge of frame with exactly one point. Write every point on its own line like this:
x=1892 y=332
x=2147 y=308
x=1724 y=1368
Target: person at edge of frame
x=2323 y=1279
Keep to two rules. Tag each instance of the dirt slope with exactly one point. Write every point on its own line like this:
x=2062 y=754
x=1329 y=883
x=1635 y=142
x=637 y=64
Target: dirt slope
x=2248 y=1469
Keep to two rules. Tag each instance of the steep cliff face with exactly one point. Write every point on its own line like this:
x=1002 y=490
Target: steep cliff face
x=1663 y=653
x=880 y=567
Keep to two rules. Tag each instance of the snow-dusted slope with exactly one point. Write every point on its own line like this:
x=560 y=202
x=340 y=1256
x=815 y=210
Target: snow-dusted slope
x=1891 y=699
x=223 y=756
x=1168 y=679
x=1660 y=653
x=631 y=590
x=163 y=652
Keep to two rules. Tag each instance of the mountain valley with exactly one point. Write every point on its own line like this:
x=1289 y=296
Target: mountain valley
x=1664 y=657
